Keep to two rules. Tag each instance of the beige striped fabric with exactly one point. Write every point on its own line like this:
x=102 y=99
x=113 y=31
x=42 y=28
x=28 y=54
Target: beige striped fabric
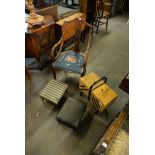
x=53 y=91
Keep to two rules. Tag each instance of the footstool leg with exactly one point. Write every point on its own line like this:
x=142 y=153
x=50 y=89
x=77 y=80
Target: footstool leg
x=81 y=94
x=43 y=100
x=106 y=112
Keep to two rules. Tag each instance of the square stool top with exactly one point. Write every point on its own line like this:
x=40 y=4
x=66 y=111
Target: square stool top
x=53 y=91
x=72 y=112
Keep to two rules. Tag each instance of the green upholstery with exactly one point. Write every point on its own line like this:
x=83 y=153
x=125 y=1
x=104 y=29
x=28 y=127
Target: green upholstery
x=53 y=91
x=71 y=112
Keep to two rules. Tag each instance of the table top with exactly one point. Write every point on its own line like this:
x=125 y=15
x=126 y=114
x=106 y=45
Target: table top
x=76 y=15
x=48 y=21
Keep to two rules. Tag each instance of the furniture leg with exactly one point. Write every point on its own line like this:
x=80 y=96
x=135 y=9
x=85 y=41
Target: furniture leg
x=27 y=73
x=95 y=23
x=106 y=112
x=66 y=1
x=107 y=23
x=38 y=61
x=43 y=100
x=53 y=72
x=96 y=111
x=83 y=73
x=81 y=94
x=83 y=36
x=98 y=23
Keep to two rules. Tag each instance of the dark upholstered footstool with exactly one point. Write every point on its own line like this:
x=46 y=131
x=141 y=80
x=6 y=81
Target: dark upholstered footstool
x=71 y=112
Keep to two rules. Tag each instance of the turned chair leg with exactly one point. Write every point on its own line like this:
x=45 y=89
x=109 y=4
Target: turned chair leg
x=107 y=23
x=38 y=61
x=83 y=73
x=98 y=24
x=53 y=72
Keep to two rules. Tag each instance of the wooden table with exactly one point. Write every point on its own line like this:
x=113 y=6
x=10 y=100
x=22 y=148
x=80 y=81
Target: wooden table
x=40 y=39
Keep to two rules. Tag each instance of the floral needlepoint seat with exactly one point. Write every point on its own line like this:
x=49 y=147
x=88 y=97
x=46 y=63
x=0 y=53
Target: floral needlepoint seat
x=70 y=61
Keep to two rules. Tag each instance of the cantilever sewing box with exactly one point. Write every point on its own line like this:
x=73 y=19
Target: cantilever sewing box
x=98 y=92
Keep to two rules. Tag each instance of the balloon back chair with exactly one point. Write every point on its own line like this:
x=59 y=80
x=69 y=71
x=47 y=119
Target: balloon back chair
x=74 y=60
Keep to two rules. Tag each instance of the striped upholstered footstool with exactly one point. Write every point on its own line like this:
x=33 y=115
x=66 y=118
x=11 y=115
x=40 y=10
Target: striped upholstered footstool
x=53 y=91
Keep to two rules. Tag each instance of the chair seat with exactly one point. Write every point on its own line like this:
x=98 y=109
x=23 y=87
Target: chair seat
x=105 y=13
x=70 y=61
x=71 y=113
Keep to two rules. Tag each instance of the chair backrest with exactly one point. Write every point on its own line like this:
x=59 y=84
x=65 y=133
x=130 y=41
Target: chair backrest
x=99 y=8
x=73 y=28
x=69 y=28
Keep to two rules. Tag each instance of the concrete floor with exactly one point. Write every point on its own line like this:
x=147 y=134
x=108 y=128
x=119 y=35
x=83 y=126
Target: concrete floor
x=109 y=56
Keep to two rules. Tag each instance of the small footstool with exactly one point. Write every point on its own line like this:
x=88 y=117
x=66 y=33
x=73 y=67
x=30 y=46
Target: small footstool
x=71 y=113
x=53 y=91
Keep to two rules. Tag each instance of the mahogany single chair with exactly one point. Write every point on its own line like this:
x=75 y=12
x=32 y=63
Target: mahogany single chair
x=74 y=60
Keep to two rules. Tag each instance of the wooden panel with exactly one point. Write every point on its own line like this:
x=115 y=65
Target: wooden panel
x=76 y=15
x=108 y=137
x=45 y=38
x=83 y=6
x=69 y=28
x=51 y=10
x=88 y=7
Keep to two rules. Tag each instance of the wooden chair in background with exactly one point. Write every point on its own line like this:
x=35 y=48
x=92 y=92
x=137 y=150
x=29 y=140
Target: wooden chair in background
x=101 y=13
x=72 y=60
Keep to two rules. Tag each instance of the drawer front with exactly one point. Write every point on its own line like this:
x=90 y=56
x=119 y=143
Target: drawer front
x=30 y=47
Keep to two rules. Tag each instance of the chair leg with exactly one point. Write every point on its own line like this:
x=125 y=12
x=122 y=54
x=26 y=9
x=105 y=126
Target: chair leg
x=38 y=61
x=95 y=22
x=107 y=23
x=53 y=72
x=98 y=24
x=83 y=73
x=83 y=36
x=94 y=25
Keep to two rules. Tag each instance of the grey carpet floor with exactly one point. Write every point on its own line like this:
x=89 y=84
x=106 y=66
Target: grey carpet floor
x=44 y=135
